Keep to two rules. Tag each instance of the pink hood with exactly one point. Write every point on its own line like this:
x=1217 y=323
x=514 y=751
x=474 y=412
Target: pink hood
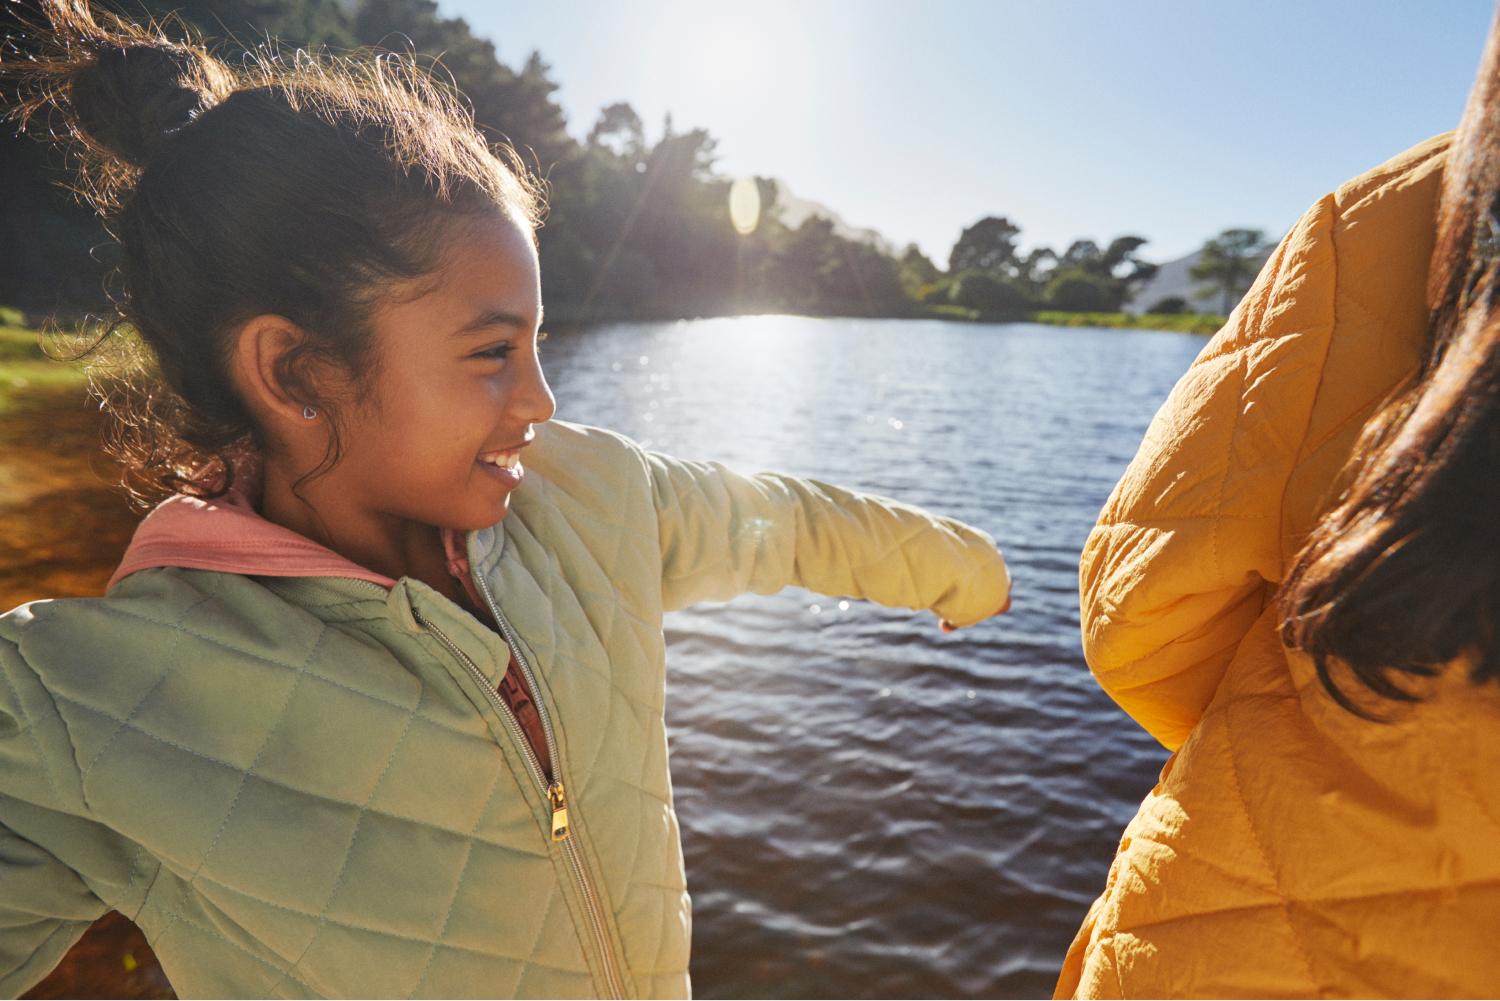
x=228 y=534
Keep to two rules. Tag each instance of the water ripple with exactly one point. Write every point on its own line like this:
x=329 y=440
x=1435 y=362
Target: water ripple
x=871 y=808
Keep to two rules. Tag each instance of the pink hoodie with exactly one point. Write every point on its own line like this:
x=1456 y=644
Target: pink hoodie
x=229 y=534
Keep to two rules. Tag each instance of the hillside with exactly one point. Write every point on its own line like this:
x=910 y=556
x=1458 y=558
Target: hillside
x=1174 y=278
x=792 y=211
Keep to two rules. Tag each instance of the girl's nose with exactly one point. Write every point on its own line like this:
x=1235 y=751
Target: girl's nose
x=537 y=400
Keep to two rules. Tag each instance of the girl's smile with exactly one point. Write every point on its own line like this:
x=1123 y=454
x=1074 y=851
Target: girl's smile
x=506 y=464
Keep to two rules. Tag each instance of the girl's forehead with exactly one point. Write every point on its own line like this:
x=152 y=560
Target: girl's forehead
x=476 y=248
x=487 y=267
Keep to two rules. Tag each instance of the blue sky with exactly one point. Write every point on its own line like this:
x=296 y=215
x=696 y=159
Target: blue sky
x=1171 y=120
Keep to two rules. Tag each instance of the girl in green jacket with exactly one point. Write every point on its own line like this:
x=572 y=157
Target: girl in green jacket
x=373 y=706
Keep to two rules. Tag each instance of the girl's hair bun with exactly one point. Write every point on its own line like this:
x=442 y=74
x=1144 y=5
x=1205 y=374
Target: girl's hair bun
x=118 y=89
x=130 y=98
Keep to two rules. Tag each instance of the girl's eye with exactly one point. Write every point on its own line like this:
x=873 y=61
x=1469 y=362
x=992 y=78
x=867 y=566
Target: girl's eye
x=499 y=352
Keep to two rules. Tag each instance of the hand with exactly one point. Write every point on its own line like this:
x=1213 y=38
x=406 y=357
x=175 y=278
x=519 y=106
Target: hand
x=949 y=627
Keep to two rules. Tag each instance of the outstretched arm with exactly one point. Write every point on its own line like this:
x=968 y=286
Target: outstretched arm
x=723 y=533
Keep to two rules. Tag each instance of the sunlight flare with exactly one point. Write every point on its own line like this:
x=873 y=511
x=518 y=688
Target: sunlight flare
x=744 y=205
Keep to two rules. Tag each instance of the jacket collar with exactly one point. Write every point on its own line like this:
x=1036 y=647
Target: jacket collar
x=229 y=535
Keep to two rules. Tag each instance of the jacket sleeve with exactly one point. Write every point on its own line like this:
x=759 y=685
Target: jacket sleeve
x=45 y=907
x=1187 y=551
x=723 y=533
x=45 y=904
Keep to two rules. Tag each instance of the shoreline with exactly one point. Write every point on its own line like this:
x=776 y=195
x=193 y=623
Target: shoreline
x=22 y=361
x=1200 y=324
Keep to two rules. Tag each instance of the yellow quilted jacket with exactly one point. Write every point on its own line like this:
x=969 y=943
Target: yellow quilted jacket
x=1290 y=848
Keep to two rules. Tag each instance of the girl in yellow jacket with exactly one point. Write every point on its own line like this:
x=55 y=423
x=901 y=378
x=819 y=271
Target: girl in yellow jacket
x=1308 y=614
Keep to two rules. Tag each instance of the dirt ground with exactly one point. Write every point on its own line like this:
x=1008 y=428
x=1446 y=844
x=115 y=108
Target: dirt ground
x=64 y=530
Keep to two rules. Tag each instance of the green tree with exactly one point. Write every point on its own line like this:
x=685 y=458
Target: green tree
x=620 y=132
x=1228 y=263
x=814 y=270
x=1035 y=268
x=988 y=245
x=1121 y=263
x=994 y=296
x=1103 y=277
x=1078 y=291
x=1082 y=255
x=917 y=270
x=1171 y=305
x=936 y=293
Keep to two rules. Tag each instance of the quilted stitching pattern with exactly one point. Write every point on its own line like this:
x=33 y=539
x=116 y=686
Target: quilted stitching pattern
x=325 y=791
x=1290 y=849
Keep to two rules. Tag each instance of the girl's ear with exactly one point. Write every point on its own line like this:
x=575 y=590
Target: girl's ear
x=271 y=369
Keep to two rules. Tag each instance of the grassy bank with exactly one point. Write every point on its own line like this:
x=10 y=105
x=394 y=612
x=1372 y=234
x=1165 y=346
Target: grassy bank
x=65 y=525
x=1187 y=323
x=25 y=370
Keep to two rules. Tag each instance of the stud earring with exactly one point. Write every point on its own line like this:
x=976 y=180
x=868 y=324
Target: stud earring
x=308 y=413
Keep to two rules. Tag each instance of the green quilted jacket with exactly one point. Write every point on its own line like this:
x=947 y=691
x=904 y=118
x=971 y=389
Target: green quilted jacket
x=306 y=786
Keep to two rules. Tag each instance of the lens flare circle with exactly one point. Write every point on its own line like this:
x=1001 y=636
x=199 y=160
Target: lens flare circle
x=744 y=205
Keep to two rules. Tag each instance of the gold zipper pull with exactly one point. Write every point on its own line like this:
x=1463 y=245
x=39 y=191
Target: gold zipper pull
x=559 y=811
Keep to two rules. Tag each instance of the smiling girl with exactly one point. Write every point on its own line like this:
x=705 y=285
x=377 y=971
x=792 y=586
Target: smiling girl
x=373 y=705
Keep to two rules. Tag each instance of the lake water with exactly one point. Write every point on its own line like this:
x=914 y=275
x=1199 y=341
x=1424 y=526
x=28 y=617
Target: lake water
x=871 y=808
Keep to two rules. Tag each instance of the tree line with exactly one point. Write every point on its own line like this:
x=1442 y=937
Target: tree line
x=637 y=227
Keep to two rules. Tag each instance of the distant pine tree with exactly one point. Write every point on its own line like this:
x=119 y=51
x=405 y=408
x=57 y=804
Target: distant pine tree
x=1228 y=263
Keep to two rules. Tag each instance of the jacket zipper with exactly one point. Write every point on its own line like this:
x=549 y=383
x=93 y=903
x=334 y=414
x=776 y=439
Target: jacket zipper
x=554 y=792
x=561 y=831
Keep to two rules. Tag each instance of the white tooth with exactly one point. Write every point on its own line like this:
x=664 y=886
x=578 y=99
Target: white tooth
x=512 y=461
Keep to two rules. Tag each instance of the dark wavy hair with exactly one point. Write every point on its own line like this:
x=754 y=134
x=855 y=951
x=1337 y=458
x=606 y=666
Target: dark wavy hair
x=298 y=184
x=1402 y=576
